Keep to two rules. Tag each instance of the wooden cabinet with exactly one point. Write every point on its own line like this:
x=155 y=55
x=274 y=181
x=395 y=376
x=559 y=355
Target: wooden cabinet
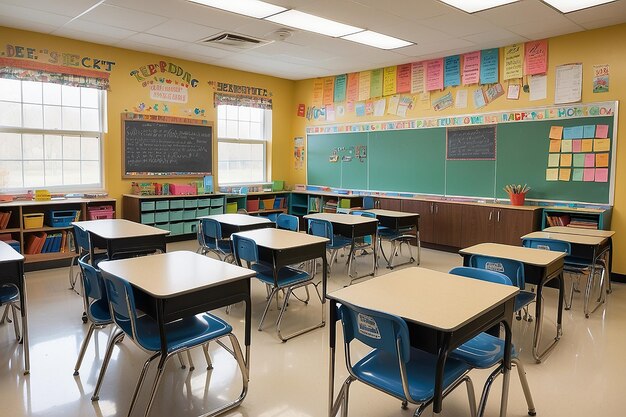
x=388 y=204
x=447 y=224
x=426 y=211
x=477 y=225
x=500 y=225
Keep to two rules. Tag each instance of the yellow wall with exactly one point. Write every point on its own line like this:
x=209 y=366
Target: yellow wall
x=126 y=94
x=601 y=46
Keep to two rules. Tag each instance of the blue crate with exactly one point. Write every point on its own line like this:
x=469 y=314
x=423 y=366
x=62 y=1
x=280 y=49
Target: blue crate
x=60 y=218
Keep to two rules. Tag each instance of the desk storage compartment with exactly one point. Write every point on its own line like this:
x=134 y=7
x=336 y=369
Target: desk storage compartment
x=202 y=212
x=33 y=220
x=162 y=216
x=176 y=215
x=60 y=218
x=147 y=218
x=176 y=204
x=204 y=202
x=190 y=227
x=189 y=214
x=219 y=210
x=176 y=228
x=147 y=206
x=162 y=205
x=191 y=203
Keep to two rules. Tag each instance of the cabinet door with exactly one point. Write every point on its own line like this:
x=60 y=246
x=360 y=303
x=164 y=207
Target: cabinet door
x=477 y=225
x=447 y=224
x=512 y=224
x=426 y=211
x=389 y=204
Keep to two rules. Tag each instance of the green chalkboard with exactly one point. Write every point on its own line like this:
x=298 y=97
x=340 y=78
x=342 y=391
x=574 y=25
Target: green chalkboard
x=414 y=161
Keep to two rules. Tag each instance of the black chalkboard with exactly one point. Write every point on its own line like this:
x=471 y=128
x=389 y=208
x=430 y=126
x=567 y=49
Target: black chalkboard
x=157 y=148
x=476 y=142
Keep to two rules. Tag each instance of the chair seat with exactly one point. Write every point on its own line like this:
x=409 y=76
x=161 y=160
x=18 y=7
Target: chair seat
x=8 y=294
x=99 y=312
x=523 y=298
x=191 y=331
x=286 y=276
x=339 y=242
x=482 y=352
x=387 y=233
x=381 y=370
x=575 y=263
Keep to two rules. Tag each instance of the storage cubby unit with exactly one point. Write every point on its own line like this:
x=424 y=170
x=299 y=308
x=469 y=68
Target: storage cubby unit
x=588 y=218
x=176 y=213
x=263 y=203
x=41 y=229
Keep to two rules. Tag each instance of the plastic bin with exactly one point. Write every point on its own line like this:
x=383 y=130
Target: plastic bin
x=162 y=205
x=147 y=218
x=190 y=227
x=176 y=228
x=147 y=206
x=33 y=220
x=231 y=207
x=191 y=203
x=163 y=226
x=202 y=212
x=162 y=216
x=100 y=212
x=189 y=214
x=268 y=204
x=176 y=204
x=220 y=210
x=176 y=215
x=252 y=205
x=204 y=202
x=60 y=218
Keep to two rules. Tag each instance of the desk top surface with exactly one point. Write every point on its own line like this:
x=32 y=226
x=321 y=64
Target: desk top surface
x=279 y=239
x=537 y=257
x=119 y=228
x=174 y=273
x=237 y=219
x=391 y=213
x=580 y=231
x=435 y=299
x=8 y=254
x=346 y=219
x=576 y=239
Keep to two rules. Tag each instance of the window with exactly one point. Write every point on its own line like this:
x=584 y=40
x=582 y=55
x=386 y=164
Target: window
x=50 y=136
x=243 y=133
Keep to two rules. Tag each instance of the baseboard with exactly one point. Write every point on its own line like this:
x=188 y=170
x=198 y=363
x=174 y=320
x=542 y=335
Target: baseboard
x=618 y=277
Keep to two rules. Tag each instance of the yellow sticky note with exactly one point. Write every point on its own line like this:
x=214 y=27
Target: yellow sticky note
x=566 y=146
x=586 y=145
x=556 y=132
x=602 y=160
x=566 y=159
x=564 y=174
x=552 y=174
x=601 y=145
x=555 y=145
x=553 y=160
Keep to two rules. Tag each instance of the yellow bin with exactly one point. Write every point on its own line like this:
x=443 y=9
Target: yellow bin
x=33 y=220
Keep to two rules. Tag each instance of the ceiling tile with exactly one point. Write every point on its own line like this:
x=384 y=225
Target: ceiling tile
x=86 y=36
x=206 y=51
x=183 y=31
x=542 y=26
x=492 y=36
x=142 y=47
x=615 y=11
x=98 y=29
x=71 y=8
x=8 y=12
x=26 y=24
x=519 y=13
x=123 y=17
x=153 y=40
x=457 y=23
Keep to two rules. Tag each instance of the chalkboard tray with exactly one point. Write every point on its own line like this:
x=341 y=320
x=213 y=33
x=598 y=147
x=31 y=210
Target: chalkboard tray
x=166 y=147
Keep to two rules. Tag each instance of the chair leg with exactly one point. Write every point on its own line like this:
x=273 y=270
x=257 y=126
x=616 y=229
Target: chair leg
x=155 y=386
x=16 y=325
x=105 y=363
x=191 y=365
x=5 y=315
x=525 y=387
x=267 y=307
x=471 y=395
x=83 y=348
x=486 y=389
x=139 y=384
x=181 y=361
x=205 y=349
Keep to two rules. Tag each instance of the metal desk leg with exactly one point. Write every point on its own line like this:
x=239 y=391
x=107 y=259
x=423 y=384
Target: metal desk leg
x=539 y=319
x=24 y=340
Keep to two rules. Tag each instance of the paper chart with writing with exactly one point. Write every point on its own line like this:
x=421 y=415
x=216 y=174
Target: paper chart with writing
x=569 y=82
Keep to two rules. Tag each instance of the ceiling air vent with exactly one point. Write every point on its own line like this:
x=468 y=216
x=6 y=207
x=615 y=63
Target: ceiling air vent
x=233 y=41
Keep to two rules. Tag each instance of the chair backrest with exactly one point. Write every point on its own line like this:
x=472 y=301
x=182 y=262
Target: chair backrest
x=511 y=268
x=322 y=228
x=121 y=303
x=376 y=329
x=81 y=238
x=548 y=244
x=481 y=274
x=245 y=249
x=93 y=283
x=288 y=222
x=212 y=232
x=368 y=202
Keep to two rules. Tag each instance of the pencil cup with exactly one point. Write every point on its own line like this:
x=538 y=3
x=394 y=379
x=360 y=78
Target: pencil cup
x=517 y=199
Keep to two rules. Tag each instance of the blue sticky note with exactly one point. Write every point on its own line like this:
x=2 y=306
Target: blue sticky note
x=573 y=132
x=589 y=132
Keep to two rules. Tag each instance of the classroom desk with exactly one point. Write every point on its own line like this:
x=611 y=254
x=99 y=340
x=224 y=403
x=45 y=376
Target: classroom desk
x=396 y=220
x=173 y=285
x=540 y=268
x=123 y=238
x=12 y=272
x=439 y=312
x=282 y=248
x=590 y=249
x=352 y=227
x=236 y=222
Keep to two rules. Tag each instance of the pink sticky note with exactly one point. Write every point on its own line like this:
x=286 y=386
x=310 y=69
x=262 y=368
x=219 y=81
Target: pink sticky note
x=576 y=145
x=602 y=131
x=602 y=174
x=588 y=174
x=590 y=160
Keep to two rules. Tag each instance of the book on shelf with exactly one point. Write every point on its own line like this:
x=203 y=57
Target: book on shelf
x=4 y=219
x=34 y=243
x=558 y=220
x=583 y=223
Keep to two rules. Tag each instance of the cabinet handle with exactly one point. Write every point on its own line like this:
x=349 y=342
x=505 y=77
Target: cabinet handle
x=431 y=208
x=436 y=208
x=498 y=215
x=490 y=215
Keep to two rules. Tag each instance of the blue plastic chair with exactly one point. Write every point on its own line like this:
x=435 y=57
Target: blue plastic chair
x=95 y=303
x=10 y=297
x=212 y=241
x=324 y=228
x=181 y=335
x=392 y=365
x=286 y=278
x=82 y=246
x=485 y=351
x=515 y=271
x=288 y=222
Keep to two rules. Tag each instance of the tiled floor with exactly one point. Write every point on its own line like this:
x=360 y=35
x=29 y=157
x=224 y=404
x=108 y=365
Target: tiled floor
x=584 y=376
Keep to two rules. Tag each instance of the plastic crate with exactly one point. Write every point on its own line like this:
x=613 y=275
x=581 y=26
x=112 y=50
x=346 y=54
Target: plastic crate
x=191 y=203
x=162 y=205
x=60 y=218
x=147 y=206
x=176 y=215
x=100 y=212
x=190 y=227
x=252 y=205
x=268 y=204
x=204 y=202
x=231 y=207
x=176 y=228
x=147 y=218
x=162 y=216
x=189 y=214
x=176 y=204
x=202 y=212
x=33 y=220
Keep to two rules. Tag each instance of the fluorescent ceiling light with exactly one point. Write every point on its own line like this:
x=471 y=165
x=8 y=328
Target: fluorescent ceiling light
x=305 y=21
x=253 y=8
x=473 y=6
x=377 y=40
x=567 y=6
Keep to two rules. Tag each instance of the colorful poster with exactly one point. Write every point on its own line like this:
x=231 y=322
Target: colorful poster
x=489 y=66
x=364 y=85
x=589 y=131
x=443 y=102
x=318 y=93
x=569 y=84
x=602 y=160
x=536 y=57
x=555 y=145
x=403 y=80
x=389 y=83
x=392 y=106
x=376 y=83
x=576 y=145
x=553 y=160
x=601 y=78
x=494 y=92
x=514 y=61
x=471 y=68
x=404 y=105
x=379 y=107
x=513 y=92
x=298 y=153
x=452 y=71
x=566 y=160
x=340 y=88
x=434 y=74
x=461 y=99
x=590 y=160
x=538 y=85
x=352 y=89
x=479 y=98
x=359 y=108
x=566 y=145
x=586 y=145
x=328 y=95
x=588 y=175
x=417 y=78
